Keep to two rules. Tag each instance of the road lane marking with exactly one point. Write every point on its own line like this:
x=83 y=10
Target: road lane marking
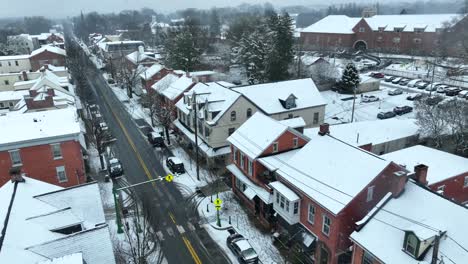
x=180 y=229
x=192 y=251
x=172 y=217
x=191 y=227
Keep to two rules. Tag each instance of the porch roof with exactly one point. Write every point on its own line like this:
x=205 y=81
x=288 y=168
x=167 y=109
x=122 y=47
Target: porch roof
x=263 y=194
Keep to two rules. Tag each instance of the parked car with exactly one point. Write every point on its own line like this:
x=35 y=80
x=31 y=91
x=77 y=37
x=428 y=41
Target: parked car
x=395 y=92
x=115 y=168
x=242 y=249
x=389 y=78
x=413 y=97
x=431 y=87
x=452 y=91
x=413 y=83
x=401 y=110
x=377 y=75
x=442 y=88
x=110 y=81
x=397 y=80
x=463 y=94
x=434 y=100
x=369 y=98
x=385 y=115
x=155 y=139
x=175 y=165
x=422 y=85
x=404 y=82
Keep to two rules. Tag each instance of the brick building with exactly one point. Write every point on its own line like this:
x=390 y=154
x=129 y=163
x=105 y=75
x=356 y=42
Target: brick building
x=47 y=55
x=413 y=34
x=45 y=144
x=153 y=74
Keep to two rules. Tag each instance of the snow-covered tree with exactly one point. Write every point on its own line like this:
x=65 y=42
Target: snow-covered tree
x=350 y=78
x=182 y=52
x=280 y=53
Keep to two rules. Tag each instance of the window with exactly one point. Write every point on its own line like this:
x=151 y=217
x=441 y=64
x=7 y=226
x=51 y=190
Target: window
x=379 y=39
x=7 y=82
x=370 y=193
x=250 y=167
x=277 y=197
x=0 y=64
x=311 y=214
x=396 y=40
x=326 y=225
x=15 y=157
x=16 y=63
x=290 y=116
x=242 y=160
x=249 y=112
x=362 y=29
x=367 y=258
x=234 y=154
x=465 y=182
x=282 y=202
x=287 y=206
x=419 y=30
x=207 y=131
x=296 y=207
x=56 y=151
x=9 y=63
x=316 y=118
x=411 y=244
x=295 y=142
x=441 y=189
x=233 y=116
x=275 y=147
x=10 y=104
x=231 y=130
x=417 y=41
x=398 y=29
x=381 y=29
x=61 y=175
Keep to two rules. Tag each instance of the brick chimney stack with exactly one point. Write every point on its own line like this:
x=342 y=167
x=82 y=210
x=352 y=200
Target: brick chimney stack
x=420 y=173
x=324 y=129
x=16 y=175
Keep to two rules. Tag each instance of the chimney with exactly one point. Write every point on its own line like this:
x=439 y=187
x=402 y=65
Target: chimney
x=398 y=182
x=420 y=173
x=324 y=129
x=50 y=92
x=187 y=74
x=16 y=175
x=25 y=75
x=141 y=50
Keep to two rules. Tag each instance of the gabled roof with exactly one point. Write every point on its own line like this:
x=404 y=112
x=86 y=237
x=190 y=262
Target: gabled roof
x=267 y=96
x=325 y=162
x=177 y=87
x=165 y=82
x=137 y=57
x=442 y=165
x=38 y=208
x=52 y=49
x=256 y=134
x=148 y=73
x=420 y=207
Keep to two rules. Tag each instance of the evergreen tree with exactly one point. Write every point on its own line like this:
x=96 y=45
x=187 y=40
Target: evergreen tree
x=350 y=79
x=280 y=53
x=182 y=53
x=253 y=52
x=215 y=24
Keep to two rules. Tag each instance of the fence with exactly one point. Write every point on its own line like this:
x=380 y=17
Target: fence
x=425 y=77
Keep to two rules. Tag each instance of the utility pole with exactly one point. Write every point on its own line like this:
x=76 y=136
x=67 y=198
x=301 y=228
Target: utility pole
x=195 y=123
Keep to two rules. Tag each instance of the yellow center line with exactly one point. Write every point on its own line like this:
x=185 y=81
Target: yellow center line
x=148 y=174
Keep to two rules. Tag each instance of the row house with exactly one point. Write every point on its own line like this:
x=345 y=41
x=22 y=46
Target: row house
x=15 y=63
x=420 y=226
x=171 y=89
x=152 y=75
x=115 y=50
x=377 y=136
x=44 y=144
x=384 y=33
x=47 y=55
x=287 y=99
x=444 y=173
x=319 y=191
x=140 y=57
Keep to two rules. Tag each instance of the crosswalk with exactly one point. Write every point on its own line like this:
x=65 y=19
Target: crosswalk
x=169 y=231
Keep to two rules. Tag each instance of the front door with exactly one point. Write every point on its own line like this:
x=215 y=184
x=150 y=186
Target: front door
x=323 y=255
x=257 y=205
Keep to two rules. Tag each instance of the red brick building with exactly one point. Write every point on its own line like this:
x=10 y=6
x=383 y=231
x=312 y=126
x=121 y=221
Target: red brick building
x=153 y=74
x=47 y=55
x=412 y=34
x=43 y=144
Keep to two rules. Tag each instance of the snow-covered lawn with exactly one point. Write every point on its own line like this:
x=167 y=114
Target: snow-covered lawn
x=260 y=241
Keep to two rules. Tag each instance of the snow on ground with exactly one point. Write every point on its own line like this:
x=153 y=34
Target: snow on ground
x=132 y=105
x=260 y=241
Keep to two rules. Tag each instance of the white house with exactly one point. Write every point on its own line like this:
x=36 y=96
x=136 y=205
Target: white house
x=14 y=63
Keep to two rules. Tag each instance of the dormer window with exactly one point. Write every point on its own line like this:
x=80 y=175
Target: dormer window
x=381 y=29
x=362 y=29
x=411 y=244
x=419 y=30
x=290 y=102
x=398 y=29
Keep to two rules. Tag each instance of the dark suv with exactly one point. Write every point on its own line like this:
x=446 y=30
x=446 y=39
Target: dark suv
x=385 y=115
x=401 y=110
x=175 y=165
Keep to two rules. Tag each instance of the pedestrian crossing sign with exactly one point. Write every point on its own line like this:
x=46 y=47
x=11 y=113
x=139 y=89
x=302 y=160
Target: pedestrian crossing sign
x=169 y=177
x=218 y=202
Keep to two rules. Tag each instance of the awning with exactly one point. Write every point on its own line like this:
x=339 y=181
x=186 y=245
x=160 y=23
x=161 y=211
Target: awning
x=249 y=193
x=307 y=239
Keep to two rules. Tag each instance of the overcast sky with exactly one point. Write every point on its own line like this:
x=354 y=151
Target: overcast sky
x=64 y=8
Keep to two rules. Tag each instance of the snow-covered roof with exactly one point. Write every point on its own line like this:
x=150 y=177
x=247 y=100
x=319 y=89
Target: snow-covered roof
x=177 y=87
x=267 y=96
x=14 y=57
x=256 y=134
x=341 y=24
x=50 y=49
x=295 y=122
x=273 y=162
x=137 y=57
x=419 y=205
x=30 y=127
x=252 y=189
x=325 y=165
x=76 y=258
x=374 y=131
x=148 y=73
x=165 y=82
x=39 y=208
x=202 y=73
x=12 y=95
x=285 y=191
x=442 y=165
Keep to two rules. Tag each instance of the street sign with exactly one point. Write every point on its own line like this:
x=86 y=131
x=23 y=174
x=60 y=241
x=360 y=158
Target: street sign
x=218 y=207
x=218 y=202
x=169 y=177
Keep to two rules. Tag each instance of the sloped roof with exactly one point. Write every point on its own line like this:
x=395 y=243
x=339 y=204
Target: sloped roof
x=266 y=96
x=339 y=24
x=148 y=73
x=76 y=258
x=165 y=82
x=325 y=162
x=50 y=49
x=442 y=165
x=421 y=206
x=137 y=57
x=177 y=87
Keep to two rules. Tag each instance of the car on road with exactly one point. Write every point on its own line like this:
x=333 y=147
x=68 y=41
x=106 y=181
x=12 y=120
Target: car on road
x=421 y=85
x=413 y=97
x=115 y=168
x=452 y=91
x=395 y=92
x=155 y=139
x=241 y=247
x=404 y=82
x=175 y=165
x=386 y=115
x=442 y=88
x=397 y=80
x=389 y=78
x=401 y=110
x=463 y=94
x=413 y=83
x=369 y=98
x=377 y=75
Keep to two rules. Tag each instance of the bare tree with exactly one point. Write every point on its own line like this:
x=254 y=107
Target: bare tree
x=162 y=111
x=431 y=119
x=323 y=72
x=127 y=76
x=455 y=111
